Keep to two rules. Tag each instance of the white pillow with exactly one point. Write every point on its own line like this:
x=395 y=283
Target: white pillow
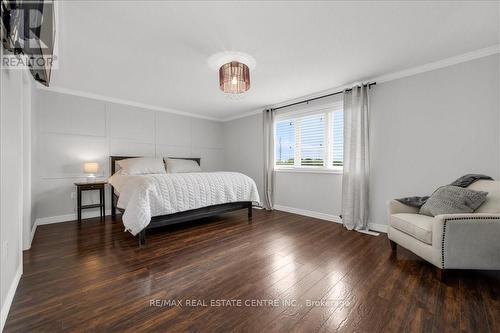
x=141 y=166
x=175 y=165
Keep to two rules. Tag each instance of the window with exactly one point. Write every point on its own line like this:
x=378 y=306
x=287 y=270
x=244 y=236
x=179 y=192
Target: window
x=337 y=141
x=285 y=142
x=312 y=140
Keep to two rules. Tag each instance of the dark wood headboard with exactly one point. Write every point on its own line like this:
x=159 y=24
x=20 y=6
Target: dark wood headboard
x=114 y=159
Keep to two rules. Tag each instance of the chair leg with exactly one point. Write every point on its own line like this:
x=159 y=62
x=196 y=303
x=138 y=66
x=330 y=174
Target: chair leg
x=441 y=274
x=394 y=245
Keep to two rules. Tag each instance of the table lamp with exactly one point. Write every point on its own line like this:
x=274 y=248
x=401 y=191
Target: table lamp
x=90 y=168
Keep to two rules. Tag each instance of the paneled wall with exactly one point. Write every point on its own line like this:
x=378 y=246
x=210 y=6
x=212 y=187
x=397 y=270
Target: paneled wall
x=11 y=185
x=70 y=130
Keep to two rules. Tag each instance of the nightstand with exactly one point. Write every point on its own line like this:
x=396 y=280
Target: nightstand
x=81 y=187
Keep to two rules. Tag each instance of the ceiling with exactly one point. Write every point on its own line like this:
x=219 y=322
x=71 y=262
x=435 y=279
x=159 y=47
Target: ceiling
x=156 y=53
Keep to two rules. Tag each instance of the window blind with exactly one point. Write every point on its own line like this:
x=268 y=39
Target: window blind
x=285 y=142
x=311 y=139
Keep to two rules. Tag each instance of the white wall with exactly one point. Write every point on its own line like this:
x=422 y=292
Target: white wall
x=316 y=192
x=27 y=204
x=11 y=185
x=440 y=116
x=431 y=128
x=426 y=130
x=33 y=151
x=70 y=130
x=243 y=146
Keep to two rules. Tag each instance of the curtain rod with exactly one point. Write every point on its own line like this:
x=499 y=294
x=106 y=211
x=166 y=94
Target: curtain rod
x=369 y=85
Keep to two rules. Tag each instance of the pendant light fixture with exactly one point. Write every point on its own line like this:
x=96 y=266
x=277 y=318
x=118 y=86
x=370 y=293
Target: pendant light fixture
x=234 y=71
x=234 y=77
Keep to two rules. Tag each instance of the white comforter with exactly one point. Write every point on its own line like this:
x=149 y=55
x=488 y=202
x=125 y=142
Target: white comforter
x=146 y=196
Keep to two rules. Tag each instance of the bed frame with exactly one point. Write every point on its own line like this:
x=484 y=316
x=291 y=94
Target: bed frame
x=189 y=215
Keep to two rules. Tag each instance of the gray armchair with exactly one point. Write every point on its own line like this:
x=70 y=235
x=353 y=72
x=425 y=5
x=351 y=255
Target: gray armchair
x=452 y=241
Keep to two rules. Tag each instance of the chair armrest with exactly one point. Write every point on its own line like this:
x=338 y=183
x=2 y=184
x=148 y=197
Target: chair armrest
x=396 y=207
x=467 y=241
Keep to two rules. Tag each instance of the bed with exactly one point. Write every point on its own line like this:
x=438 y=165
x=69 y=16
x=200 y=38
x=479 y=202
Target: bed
x=140 y=193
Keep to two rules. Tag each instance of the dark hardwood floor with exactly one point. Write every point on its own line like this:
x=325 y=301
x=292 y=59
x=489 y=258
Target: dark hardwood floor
x=93 y=278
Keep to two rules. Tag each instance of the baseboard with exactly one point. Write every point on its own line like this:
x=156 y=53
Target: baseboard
x=378 y=227
x=10 y=297
x=71 y=217
x=67 y=217
x=309 y=213
x=304 y=212
x=33 y=230
x=260 y=205
x=326 y=217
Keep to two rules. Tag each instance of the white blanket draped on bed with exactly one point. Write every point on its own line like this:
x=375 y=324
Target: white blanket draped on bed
x=146 y=196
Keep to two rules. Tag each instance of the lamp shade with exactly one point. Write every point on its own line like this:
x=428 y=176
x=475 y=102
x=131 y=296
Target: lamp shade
x=234 y=78
x=90 y=167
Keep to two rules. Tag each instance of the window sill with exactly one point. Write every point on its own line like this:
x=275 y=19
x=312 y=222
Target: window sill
x=308 y=170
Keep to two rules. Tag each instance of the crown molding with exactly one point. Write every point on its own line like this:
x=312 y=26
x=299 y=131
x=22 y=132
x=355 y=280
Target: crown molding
x=469 y=56
x=480 y=53
x=244 y=114
x=122 y=101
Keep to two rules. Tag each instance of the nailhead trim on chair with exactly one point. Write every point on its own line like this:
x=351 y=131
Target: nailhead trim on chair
x=473 y=218
x=442 y=244
x=460 y=219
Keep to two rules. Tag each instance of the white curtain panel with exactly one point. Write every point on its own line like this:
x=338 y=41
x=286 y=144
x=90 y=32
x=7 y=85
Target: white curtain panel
x=268 y=122
x=356 y=159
